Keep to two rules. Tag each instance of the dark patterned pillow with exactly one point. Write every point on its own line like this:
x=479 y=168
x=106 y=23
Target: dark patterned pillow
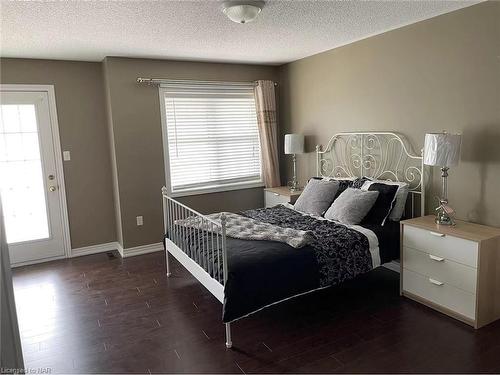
x=359 y=182
x=383 y=205
x=343 y=185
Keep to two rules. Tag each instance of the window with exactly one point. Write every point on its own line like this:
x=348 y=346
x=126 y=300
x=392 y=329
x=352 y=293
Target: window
x=211 y=138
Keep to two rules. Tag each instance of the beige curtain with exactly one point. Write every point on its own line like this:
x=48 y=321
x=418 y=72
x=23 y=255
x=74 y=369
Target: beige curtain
x=265 y=102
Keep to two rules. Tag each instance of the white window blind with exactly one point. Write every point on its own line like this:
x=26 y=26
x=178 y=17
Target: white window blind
x=212 y=136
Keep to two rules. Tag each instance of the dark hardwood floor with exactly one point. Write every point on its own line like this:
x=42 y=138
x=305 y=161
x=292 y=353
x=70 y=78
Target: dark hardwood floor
x=99 y=314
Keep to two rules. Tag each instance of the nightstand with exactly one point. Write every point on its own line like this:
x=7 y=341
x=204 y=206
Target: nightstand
x=452 y=269
x=279 y=195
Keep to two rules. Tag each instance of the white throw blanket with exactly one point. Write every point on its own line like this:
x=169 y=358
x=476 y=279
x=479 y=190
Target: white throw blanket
x=245 y=228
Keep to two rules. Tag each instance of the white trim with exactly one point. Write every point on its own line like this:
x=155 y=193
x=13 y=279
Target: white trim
x=36 y=261
x=119 y=247
x=56 y=140
x=101 y=248
x=217 y=189
x=139 y=250
x=213 y=286
x=94 y=249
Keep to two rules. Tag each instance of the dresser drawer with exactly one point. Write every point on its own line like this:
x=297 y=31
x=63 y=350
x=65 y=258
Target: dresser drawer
x=272 y=199
x=445 y=246
x=442 y=269
x=443 y=295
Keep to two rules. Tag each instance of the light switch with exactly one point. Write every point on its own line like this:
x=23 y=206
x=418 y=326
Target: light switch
x=139 y=220
x=66 y=156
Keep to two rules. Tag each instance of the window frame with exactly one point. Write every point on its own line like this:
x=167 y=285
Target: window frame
x=209 y=188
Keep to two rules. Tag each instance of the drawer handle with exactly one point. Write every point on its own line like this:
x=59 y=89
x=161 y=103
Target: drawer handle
x=435 y=282
x=437 y=259
x=437 y=234
x=276 y=194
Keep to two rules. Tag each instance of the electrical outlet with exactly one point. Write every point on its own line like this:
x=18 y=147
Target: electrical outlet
x=139 y=220
x=66 y=155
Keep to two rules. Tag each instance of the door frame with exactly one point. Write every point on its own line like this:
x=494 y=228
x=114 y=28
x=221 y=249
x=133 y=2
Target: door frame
x=54 y=127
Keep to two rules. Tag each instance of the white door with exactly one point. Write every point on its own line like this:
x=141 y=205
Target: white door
x=29 y=184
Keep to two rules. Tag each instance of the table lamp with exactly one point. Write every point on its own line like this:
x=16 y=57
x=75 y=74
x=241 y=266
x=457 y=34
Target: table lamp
x=294 y=144
x=443 y=150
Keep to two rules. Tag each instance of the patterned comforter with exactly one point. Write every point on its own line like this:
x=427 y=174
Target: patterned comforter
x=263 y=272
x=342 y=253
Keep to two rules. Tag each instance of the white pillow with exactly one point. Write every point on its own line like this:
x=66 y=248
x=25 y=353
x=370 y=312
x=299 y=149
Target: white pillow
x=400 y=197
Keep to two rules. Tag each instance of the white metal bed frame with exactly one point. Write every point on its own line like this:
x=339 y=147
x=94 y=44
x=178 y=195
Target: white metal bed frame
x=380 y=155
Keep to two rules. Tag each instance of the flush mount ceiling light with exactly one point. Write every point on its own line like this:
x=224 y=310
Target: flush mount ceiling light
x=242 y=11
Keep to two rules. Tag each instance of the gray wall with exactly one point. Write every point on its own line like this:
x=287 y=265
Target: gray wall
x=442 y=73
x=112 y=127
x=134 y=113
x=80 y=105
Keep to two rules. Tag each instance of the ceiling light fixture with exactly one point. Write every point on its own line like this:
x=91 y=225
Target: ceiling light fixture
x=242 y=11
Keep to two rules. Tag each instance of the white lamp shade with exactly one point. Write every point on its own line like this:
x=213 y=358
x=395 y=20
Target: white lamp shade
x=442 y=149
x=294 y=144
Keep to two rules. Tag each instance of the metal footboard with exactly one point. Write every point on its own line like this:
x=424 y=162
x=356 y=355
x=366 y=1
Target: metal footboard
x=199 y=244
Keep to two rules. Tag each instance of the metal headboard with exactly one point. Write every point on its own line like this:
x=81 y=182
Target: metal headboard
x=379 y=155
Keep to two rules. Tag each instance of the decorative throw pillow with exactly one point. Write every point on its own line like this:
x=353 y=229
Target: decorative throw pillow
x=384 y=203
x=400 y=204
x=344 y=183
x=347 y=182
x=359 y=182
x=401 y=197
x=352 y=206
x=317 y=196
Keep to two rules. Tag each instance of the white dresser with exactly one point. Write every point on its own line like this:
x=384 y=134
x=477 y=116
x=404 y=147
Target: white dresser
x=455 y=270
x=279 y=195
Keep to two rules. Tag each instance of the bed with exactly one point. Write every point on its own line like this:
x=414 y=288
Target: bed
x=264 y=256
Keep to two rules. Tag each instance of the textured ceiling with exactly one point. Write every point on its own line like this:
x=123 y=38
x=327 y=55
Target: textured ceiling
x=197 y=30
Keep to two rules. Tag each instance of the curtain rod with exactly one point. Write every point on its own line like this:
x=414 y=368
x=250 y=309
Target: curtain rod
x=159 y=81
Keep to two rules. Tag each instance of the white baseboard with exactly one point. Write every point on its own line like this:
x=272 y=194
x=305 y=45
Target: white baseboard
x=94 y=249
x=393 y=266
x=101 y=248
x=37 y=261
x=125 y=253
x=140 y=250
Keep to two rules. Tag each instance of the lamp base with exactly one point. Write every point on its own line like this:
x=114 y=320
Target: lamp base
x=293 y=186
x=444 y=213
x=442 y=218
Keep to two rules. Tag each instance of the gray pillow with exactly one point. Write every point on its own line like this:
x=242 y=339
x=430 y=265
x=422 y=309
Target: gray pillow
x=317 y=196
x=352 y=206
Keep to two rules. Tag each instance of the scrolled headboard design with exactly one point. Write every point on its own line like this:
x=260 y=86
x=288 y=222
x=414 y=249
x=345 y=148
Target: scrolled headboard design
x=378 y=155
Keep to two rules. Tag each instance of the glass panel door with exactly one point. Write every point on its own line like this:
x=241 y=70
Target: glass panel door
x=29 y=184
x=21 y=186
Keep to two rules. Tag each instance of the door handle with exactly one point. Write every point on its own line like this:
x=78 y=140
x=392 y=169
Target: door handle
x=435 y=282
x=437 y=234
x=437 y=259
x=52 y=188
